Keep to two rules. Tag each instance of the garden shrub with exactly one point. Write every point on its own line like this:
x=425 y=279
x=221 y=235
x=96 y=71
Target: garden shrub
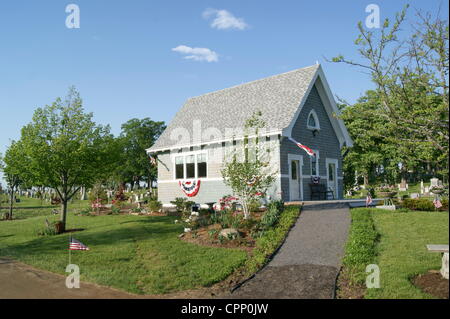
x=421 y=204
x=361 y=245
x=271 y=239
x=254 y=205
x=154 y=205
x=115 y=209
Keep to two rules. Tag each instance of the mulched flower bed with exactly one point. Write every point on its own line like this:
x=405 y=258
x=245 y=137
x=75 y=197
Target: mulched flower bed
x=201 y=237
x=432 y=283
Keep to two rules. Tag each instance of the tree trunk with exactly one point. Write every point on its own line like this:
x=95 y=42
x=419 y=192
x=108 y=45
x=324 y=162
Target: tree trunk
x=366 y=179
x=63 y=216
x=11 y=199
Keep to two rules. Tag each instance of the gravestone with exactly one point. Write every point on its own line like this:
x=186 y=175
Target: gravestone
x=414 y=195
x=434 y=182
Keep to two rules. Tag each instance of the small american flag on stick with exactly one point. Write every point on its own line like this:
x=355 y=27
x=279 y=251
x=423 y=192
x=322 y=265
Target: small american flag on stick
x=368 y=200
x=77 y=245
x=437 y=203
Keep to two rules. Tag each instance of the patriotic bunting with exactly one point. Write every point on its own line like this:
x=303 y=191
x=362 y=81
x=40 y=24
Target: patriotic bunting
x=190 y=188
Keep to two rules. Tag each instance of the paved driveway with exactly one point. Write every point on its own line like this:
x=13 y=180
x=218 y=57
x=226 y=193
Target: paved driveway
x=307 y=264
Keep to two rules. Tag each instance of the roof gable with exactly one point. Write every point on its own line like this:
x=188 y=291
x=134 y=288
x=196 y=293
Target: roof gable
x=277 y=97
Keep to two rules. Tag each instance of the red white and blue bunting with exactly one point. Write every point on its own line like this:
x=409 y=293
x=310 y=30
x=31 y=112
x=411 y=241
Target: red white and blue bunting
x=190 y=188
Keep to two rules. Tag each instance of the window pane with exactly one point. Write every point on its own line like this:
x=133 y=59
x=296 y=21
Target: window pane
x=201 y=165
x=179 y=167
x=313 y=166
x=311 y=121
x=190 y=166
x=294 y=170
x=331 y=172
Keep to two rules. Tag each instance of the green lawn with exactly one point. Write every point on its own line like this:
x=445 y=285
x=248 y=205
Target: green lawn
x=138 y=254
x=400 y=251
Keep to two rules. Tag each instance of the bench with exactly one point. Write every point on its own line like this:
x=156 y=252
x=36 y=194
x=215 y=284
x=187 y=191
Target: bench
x=444 y=250
x=320 y=191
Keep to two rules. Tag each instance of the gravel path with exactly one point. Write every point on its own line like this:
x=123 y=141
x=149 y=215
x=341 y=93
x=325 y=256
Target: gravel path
x=307 y=264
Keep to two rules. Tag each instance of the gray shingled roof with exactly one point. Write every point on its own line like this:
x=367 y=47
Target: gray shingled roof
x=277 y=97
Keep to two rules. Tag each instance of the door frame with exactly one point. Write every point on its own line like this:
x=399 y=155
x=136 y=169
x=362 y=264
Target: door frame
x=334 y=161
x=299 y=158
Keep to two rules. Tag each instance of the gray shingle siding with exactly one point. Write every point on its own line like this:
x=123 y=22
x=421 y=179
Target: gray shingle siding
x=326 y=142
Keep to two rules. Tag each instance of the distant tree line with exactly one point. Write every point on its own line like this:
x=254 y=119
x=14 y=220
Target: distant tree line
x=400 y=128
x=62 y=148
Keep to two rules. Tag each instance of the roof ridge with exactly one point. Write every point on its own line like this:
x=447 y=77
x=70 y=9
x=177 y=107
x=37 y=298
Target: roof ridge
x=254 y=81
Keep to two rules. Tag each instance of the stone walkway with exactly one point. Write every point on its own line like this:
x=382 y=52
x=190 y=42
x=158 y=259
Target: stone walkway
x=307 y=264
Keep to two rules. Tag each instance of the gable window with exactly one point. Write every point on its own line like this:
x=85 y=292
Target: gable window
x=313 y=121
x=191 y=166
x=179 y=167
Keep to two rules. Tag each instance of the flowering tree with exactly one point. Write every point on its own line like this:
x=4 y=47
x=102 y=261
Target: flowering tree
x=249 y=177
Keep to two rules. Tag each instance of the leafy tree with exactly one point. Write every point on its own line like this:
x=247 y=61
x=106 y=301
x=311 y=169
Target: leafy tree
x=14 y=168
x=249 y=177
x=65 y=149
x=136 y=136
x=410 y=71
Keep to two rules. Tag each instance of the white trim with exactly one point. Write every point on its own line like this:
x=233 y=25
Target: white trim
x=336 y=163
x=317 y=157
x=299 y=158
x=327 y=98
x=229 y=139
x=184 y=155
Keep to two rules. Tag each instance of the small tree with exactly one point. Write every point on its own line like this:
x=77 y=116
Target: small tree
x=249 y=176
x=66 y=149
x=14 y=169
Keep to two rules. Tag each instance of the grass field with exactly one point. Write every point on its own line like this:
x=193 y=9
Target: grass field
x=399 y=248
x=139 y=254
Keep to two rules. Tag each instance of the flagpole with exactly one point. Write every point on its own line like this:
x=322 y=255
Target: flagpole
x=70 y=252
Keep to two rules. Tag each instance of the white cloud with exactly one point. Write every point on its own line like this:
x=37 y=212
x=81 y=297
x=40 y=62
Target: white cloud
x=224 y=20
x=197 y=54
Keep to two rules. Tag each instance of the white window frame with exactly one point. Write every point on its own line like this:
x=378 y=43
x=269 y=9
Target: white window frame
x=184 y=155
x=316 y=119
x=317 y=163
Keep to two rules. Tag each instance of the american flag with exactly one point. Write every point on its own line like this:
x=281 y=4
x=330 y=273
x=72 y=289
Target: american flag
x=437 y=203
x=303 y=147
x=77 y=245
x=152 y=160
x=368 y=200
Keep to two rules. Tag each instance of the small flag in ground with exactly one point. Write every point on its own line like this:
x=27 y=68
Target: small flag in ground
x=437 y=203
x=368 y=200
x=77 y=245
x=303 y=147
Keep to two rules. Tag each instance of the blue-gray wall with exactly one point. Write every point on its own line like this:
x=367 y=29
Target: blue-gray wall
x=325 y=142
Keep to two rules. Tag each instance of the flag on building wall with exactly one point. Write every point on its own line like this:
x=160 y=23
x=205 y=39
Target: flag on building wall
x=303 y=147
x=152 y=160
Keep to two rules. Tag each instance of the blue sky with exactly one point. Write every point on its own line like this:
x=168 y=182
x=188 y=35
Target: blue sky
x=122 y=61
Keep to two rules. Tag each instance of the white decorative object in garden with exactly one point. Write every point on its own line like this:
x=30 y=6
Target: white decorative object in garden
x=434 y=182
x=441 y=249
x=422 y=188
x=414 y=195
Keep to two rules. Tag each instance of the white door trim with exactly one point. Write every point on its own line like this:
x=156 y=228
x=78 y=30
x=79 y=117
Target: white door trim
x=299 y=158
x=336 y=163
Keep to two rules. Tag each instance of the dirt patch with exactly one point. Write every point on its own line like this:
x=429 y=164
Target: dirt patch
x=432 y=283
x=348 y=290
